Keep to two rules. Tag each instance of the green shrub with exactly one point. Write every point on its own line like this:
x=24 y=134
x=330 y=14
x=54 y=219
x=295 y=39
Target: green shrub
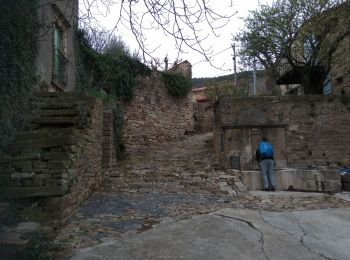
x=114 y=71
x=176 y=84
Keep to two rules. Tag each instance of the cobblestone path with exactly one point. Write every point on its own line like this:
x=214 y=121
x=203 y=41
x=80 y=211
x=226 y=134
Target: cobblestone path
x=166 y=184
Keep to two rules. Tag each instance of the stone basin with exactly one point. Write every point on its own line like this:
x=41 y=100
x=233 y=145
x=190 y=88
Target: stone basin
x=300 y=179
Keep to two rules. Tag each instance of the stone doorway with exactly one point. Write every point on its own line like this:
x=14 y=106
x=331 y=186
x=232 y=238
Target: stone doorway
x=241 y=142
x=276 y=137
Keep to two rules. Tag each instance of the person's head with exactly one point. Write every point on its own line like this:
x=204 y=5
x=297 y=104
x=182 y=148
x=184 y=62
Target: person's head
x=264 y=139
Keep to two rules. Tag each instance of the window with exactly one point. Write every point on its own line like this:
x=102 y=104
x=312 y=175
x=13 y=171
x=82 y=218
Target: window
x=309 y=46
x=59 y=49
x=327 y=85
x=59 y=61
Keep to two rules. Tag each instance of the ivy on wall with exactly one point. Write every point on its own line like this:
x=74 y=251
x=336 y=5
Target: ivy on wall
x=111 y=75
x=114 y=73
x=19 y=33
x=176 y=84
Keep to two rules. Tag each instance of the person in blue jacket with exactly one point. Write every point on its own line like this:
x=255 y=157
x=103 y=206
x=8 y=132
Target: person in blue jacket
x=266 y=161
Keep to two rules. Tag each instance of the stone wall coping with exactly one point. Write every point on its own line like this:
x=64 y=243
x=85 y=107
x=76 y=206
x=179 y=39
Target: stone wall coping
x=286 y=98
x=240 y=126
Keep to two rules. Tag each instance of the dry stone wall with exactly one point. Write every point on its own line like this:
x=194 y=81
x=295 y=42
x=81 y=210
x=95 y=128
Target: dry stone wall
x=203 y=116
x=59 y=161
x=153 y=116
x=316 y=127
x=340 y=70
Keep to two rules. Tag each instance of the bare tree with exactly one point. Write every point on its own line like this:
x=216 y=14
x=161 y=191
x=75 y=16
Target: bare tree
x=188 y=22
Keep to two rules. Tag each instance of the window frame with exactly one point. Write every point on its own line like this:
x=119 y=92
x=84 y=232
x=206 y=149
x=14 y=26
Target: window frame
x=60 y=62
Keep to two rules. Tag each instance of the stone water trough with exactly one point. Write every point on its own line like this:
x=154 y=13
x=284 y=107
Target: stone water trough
x=298 y=179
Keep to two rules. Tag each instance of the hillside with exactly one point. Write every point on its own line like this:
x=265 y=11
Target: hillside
x=244 y=80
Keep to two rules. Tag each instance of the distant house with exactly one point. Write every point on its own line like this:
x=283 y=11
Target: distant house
x=198 y=95
x=184 y=68
x=338 y=36
x=56 y=61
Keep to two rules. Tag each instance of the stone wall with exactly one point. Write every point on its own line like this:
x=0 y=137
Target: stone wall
x=203 y=116
x=59 y=161
x=340 y=70
x=308 y=129
x=153 y=116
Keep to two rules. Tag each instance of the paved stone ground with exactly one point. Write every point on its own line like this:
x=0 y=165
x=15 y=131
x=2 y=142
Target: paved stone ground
x=110 y=213
x=236 y=234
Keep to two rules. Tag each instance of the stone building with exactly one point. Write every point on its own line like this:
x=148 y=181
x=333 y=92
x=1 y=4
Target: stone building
x=305 y=130
x=340 y=70
x=309 y=134
x=335 y=40
x=56 y=61
x=184 y=68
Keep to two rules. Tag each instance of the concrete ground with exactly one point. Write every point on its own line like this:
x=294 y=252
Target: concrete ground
x=234 y=233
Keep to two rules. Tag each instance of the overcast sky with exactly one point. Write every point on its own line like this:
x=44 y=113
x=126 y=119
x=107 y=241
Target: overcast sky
x=221 y=46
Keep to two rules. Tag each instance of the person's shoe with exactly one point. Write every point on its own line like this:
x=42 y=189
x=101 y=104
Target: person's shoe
x=273 y=189
x=265 y=189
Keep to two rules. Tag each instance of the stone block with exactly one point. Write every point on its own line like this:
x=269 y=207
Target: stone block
x=32 y=183
x=57 y=120
x=332 y=186
x=62 y=175
x=44 y=143
x=39 y=165
x=25 y=157
x=56 y=156
x=72 y=173
x=42 y=176
x=27 y=227
x=233 y=172
x=310 y=185
x=26 y=192
x=22 y=165
x=22 y=175
x=58 y=165
x=12 y=239
x=7 y=171
x=252 y=180
x=331 y=175
x=56 y=182
x=58 y=113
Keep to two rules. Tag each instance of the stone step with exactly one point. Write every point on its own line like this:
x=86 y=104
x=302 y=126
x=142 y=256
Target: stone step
x=56 y=121
x=58 y=113
x=57 y=104
x=179 y=167
x=62 y=101
x=43 y=134
x=50 y=141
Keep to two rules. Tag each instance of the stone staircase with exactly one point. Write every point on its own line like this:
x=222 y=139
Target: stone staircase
x=45 y=160
x=183 y=167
